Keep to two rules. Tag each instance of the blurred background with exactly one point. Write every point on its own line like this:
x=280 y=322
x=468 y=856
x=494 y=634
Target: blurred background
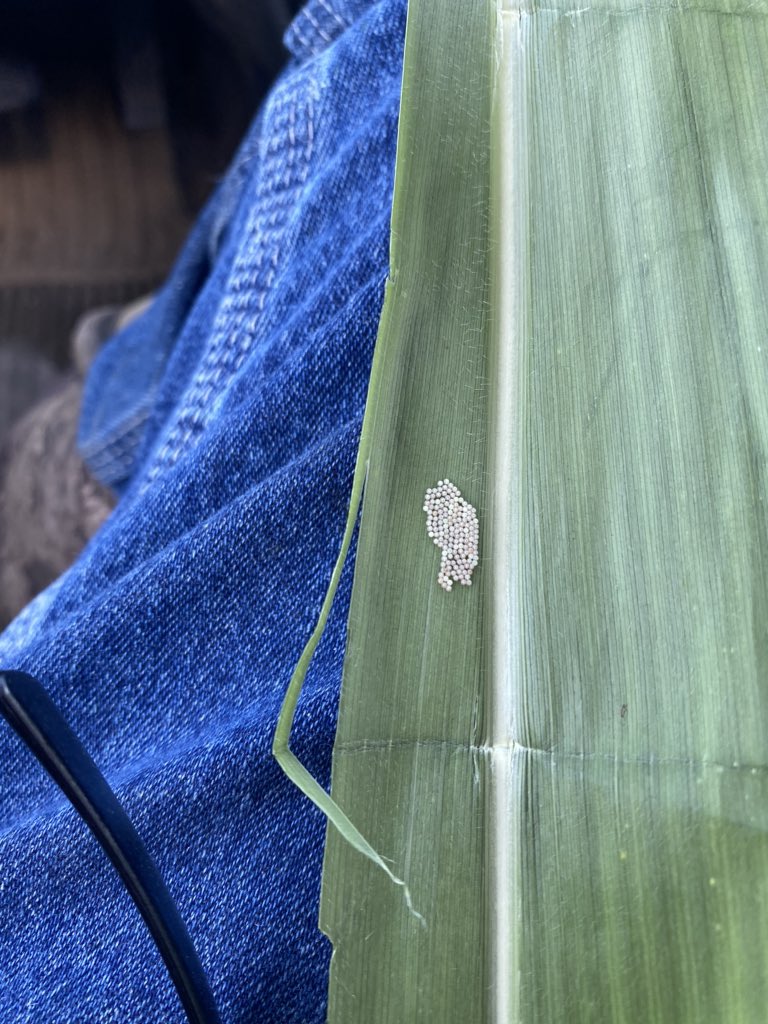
x=117 y=119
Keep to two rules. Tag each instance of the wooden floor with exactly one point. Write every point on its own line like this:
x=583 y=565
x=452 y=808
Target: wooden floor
x=90 y=214
x=81 y=198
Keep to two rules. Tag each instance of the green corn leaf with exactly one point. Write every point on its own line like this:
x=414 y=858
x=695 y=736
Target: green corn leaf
x=567 y=762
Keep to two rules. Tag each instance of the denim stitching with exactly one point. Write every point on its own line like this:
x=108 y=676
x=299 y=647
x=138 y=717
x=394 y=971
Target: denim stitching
x=251 y=282
x=334 y=14
x=318 y=27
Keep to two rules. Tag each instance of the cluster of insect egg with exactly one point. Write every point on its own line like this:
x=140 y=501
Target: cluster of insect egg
x=452 y=525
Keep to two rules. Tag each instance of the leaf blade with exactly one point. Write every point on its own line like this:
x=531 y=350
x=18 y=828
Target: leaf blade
x=575 y=735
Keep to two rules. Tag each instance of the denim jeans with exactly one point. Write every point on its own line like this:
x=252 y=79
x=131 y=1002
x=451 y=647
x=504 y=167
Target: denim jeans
x=227 y=419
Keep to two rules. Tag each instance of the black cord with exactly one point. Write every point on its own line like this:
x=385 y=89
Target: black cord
x=35 y=718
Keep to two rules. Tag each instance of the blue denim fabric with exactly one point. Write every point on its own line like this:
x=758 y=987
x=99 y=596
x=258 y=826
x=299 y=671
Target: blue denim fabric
x=228 y=419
